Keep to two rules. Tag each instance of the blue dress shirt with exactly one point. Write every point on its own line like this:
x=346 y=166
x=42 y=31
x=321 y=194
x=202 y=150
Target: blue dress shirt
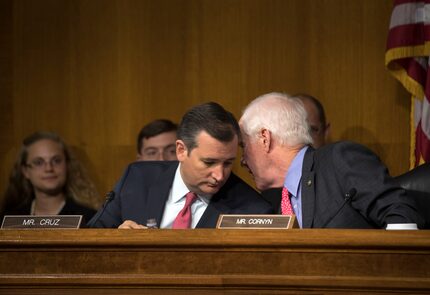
x=292 y=183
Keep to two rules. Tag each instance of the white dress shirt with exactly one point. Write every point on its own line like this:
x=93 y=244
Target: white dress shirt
x=176 y=202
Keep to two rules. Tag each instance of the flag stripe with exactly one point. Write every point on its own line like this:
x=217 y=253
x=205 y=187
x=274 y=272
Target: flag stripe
x=425 y=117
x=422 y=149
x=409 y=13
x=407 y=58
x=408 y=35
x=400 y=2
x=414 y=70
x=417 y=112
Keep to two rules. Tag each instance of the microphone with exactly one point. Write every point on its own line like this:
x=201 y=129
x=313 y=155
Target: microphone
x=347 y=198
x=350 y=194
x=109 y=197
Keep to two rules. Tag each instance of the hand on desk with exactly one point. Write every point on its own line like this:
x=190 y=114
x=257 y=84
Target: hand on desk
x=130 y=224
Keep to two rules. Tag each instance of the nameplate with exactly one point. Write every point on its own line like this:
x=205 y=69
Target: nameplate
x=41 y=222
x=272 y=221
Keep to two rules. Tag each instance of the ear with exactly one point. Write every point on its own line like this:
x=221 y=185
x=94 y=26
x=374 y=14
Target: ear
x=181 y=150
x=266 y=139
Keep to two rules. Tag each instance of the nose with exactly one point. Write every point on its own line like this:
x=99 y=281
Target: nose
x=49 y=166
x=218 y=173
x=159 y=156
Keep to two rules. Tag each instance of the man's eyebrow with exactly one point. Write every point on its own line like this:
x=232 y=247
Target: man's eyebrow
x=217 y=160
x=231 y=159
x=43 y=158
x=209 y=159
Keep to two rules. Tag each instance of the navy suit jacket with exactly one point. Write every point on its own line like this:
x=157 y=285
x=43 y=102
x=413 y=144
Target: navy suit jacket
x=144 y=189
x=345 y=185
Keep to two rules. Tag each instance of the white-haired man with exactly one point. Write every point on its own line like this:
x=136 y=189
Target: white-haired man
x=340 y=185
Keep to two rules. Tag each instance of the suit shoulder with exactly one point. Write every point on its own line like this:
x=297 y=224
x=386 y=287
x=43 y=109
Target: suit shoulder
x=235 y=182
x=149 y=171
x=242 y=198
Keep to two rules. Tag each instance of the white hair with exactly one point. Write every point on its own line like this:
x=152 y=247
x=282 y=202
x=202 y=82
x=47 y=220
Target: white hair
x=284 y=116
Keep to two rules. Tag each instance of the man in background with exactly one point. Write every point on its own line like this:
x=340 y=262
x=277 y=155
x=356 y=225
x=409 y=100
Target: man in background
x=319 y=127
x=156 y=141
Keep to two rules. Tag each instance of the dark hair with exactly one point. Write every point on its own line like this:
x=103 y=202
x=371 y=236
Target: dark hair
x=318 y=105
x=211 y=118
x=154 y=128
x=20 y=190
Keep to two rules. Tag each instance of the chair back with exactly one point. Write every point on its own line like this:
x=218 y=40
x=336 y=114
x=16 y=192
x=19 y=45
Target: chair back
x=416 y=182
x=417 y=179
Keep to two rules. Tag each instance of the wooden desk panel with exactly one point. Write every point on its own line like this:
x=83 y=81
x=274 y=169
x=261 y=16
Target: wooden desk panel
x=90 y=261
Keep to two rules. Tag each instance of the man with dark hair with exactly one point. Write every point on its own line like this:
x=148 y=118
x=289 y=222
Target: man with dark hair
x=319 y=127
x=192 y=192
x=156 y=141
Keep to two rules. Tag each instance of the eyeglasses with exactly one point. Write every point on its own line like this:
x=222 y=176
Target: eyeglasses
x=40 y=163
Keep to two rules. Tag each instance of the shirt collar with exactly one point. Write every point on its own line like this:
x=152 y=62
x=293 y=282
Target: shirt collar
x=179 y=188
x=294 y=173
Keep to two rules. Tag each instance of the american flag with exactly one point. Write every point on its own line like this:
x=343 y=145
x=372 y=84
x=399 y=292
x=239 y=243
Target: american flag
x=407 y=58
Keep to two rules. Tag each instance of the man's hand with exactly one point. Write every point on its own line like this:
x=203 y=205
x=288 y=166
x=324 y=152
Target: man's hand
x=130 y=224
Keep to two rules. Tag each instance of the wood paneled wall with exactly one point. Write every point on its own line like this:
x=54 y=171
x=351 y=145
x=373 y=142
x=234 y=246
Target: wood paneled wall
x=97 y=71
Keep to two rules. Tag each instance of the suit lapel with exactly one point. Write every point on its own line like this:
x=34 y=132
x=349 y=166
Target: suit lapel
x=273 y=196
x=212 y=212
x=158 y=194
x=308 y=189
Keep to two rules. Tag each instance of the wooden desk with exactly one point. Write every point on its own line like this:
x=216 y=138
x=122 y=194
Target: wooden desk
x=106 y=261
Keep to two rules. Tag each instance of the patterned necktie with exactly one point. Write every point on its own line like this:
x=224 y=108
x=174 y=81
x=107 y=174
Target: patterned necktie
x=183 y=219
x=286 y=208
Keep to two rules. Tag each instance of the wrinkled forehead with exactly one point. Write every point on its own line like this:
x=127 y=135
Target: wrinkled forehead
x=206 y=144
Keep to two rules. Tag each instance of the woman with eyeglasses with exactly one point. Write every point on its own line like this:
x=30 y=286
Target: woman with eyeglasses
x=47 y=180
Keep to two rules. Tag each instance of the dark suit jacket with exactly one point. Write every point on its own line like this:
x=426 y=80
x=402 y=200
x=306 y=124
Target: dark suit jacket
x=144 y=189
x=345 y=185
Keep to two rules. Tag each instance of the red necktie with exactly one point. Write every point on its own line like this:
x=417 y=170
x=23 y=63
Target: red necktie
x=286 y=208
x=183 y=219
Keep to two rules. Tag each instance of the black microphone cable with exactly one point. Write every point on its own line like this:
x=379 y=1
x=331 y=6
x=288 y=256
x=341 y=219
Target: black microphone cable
x=348 y=198
x=109 y=197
